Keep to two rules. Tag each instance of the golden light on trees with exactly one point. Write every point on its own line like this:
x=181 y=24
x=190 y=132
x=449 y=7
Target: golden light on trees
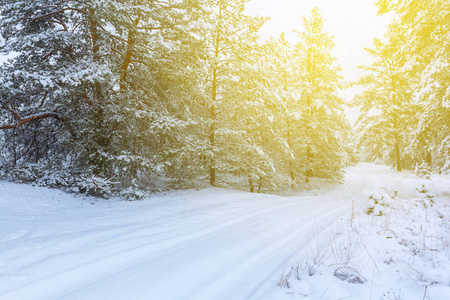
x=224 y=91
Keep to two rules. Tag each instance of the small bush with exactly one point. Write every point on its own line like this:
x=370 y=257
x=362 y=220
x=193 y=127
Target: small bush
x=377 y=204
x=27 y=173
x=95 y=186
x=423 y=170
x=427 y=198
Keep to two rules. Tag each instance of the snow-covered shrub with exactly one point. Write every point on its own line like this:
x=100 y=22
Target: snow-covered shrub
x=27 y=173
x=422 y=189
x=426 y=198
x=73 y=182
x=378 y=203
x=56 y=179
x=412 y=247
x=133 y=192
x=423 y=170
x=95 y=186
x=444 y=151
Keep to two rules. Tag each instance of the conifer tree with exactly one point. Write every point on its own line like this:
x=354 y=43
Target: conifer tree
x=321 y=151
x=426 y=49
x=387 y=89
x=232 y=36
x=284 y=92
x=51 y=74
x=416 y=63
x=96 y=71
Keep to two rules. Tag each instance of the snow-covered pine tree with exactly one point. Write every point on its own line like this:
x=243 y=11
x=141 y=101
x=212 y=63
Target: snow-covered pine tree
x=232 y=35
x=48 y=80
x=159 y=52
x=319 y=149
x=92 y=83
x=385 y=102
x=260 y=151
x=283 y=94
x=427 y=50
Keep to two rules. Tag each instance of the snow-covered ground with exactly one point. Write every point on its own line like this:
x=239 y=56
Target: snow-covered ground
x=397 y=246
x=210 y=244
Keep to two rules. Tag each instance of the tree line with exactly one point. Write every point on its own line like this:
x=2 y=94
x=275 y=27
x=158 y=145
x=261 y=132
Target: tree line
x=128 y=95
x=120 y=97
x=405 y=105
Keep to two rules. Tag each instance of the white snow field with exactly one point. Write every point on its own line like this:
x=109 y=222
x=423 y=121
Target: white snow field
x=210 y=244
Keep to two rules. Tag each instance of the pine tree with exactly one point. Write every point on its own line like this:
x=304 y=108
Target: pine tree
x=424 y=29
x=159 y=90
x=387 y=90
x=43 y=83
x=232 y=36
x=284 y=91
x=320 y=149
x=108 y=74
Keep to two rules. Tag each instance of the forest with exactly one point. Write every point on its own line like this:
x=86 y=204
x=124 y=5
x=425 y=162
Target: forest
x=127 y=97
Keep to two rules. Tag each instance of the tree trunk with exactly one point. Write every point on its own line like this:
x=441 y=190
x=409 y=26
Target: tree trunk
x=289 y=142
x=14 y=148
x=250 y=183
x=212 y=169
x=101 y=138
x=309 y=155
x=93 y=30
x=309 y=158
x=36 y=145
x=398 y=162
x=397 y=154
x=128 y=55
x=291 y=164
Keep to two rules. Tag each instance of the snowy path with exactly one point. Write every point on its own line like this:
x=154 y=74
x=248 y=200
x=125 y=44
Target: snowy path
x=210 y=244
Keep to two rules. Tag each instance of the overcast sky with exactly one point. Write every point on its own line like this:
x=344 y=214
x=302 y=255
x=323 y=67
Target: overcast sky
x=353 y=23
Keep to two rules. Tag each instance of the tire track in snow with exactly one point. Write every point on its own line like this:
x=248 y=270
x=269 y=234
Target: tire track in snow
x=243 y=260
x=100 y=268
x=230 y=278
x=141 y=248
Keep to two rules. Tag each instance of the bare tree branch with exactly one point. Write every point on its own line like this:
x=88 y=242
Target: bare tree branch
x=28 y=119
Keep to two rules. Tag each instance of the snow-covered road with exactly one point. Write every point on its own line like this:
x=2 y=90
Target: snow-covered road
x=209 y=244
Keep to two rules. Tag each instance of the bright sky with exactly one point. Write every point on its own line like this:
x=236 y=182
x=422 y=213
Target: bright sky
x=353 y=23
